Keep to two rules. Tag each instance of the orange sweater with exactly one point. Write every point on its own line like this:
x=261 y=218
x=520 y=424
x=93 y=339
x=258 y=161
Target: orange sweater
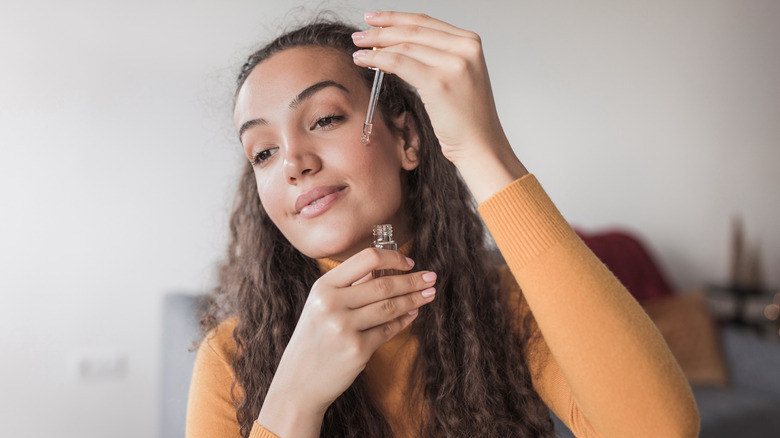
x=608 y=371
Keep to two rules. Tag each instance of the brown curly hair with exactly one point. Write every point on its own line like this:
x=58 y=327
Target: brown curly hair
x=470 y=373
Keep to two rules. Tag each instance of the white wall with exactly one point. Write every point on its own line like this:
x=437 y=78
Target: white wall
x=118 y=160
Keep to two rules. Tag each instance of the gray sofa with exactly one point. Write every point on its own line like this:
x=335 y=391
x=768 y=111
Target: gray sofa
x=180 y=331
x=749 y=407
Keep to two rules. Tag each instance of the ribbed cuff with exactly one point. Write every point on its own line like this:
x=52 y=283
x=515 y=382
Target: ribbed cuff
x=523 y=221
x=258 y=431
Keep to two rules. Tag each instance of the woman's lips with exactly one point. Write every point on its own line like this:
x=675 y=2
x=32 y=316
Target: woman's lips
x=316 y=201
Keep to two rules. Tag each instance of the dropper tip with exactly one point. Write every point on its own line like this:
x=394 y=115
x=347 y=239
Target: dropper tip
x=366 y=132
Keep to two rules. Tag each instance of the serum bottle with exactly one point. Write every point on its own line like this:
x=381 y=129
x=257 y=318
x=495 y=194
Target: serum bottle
x=383 y=239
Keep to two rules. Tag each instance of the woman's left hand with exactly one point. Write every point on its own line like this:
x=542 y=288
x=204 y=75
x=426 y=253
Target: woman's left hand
x=447 y=66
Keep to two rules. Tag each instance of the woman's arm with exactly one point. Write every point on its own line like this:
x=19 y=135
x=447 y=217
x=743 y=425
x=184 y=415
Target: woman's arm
x=616 y=364
x=211 y=410
x=618 y=369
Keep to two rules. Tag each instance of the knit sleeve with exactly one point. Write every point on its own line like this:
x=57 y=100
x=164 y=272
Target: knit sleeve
x=601 y=365
x=548 y=381
x=211 y=410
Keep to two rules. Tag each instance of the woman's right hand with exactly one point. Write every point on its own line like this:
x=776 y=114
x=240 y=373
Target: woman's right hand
x=347 y=316
x=447 y=66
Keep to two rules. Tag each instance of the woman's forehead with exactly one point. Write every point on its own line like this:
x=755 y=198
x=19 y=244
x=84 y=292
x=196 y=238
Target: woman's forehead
x=285 y=74
x=307 y=64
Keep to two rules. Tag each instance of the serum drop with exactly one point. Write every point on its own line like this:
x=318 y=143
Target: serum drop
x=383 y=239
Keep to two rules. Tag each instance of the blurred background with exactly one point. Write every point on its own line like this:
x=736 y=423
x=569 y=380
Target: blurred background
x=119 y=162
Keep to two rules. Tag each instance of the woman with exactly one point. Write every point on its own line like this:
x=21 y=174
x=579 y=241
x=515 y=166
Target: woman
x=302 y=342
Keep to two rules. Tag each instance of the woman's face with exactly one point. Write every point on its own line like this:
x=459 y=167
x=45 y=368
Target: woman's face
x=300 y=116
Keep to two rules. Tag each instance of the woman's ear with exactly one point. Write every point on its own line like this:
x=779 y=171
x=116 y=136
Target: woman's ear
x=404 y=124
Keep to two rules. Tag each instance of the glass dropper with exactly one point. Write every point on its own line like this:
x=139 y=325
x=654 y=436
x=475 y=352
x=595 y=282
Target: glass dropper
x=378 y=76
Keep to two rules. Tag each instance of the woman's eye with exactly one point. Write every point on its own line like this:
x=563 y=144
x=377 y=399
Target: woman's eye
x=263 y=156
x=328 y=121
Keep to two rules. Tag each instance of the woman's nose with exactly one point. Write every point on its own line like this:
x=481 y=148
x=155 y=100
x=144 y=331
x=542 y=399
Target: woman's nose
x=300 y=161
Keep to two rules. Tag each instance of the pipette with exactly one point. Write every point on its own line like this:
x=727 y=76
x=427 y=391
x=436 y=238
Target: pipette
x=372 y=105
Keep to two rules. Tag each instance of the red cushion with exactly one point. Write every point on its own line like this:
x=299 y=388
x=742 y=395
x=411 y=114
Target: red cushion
x=631 y=263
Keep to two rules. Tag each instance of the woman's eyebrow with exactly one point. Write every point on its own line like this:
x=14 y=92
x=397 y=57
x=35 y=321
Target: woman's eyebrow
x=250 y=123
x=310 y=90
x=297 y=100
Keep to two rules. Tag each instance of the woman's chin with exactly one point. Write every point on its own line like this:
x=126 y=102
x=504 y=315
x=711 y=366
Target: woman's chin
x=339 y=251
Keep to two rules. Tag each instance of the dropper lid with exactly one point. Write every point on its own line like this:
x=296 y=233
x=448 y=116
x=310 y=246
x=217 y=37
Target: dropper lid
x=383 y=233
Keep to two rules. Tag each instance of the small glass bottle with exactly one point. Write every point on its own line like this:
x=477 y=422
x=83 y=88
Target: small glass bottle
x=383 y=239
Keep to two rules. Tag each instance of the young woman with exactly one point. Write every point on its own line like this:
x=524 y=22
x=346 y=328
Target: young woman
x=302 y=342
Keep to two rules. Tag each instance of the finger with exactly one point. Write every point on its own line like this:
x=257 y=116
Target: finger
x=376 y=336
x=394 y=18
x=390 y=36
x=382 y=312
x=425 y=55
x=413 y=71
x=393 y=62
x=356 y=267
x=388 y=287
x=367 y=277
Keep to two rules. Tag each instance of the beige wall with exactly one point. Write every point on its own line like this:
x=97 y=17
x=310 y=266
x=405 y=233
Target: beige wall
x=118 y=160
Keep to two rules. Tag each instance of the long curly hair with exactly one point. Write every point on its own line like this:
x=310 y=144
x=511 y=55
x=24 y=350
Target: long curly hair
x=470 y=374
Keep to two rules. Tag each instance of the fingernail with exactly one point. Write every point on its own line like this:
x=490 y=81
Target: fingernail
x=427 y=293
x=370 y=15
x=410 y=261
x=413 y=312
x=358 y=36
x=359 y=53
x=429 y=276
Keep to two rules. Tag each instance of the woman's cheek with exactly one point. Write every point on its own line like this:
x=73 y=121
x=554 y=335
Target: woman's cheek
x=270 y=198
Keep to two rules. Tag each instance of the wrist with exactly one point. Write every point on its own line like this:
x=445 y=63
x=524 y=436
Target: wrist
x=288 y=417
x=488 y=173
